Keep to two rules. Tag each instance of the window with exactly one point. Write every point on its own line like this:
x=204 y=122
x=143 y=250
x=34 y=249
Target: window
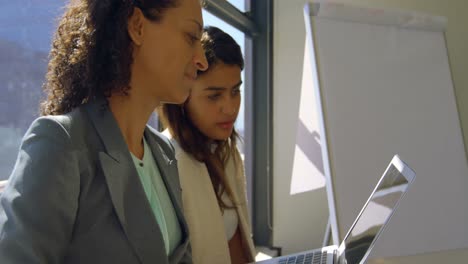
x=26 y=29
x=25 y=35
x=240 y=4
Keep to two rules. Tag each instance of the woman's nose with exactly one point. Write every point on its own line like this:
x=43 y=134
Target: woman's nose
x=229 y=109
x=200 y=59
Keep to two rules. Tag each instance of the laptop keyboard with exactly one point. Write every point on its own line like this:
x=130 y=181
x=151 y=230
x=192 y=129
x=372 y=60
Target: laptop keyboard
x=306 y=258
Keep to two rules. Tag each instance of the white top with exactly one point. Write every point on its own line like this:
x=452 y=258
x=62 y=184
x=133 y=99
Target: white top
x=230 y=217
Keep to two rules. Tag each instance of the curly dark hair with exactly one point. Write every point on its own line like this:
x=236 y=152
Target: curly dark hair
x=91 y=51
x=219 y=47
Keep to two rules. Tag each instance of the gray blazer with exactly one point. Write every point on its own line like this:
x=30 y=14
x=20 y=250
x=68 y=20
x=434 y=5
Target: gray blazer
x=74 y=195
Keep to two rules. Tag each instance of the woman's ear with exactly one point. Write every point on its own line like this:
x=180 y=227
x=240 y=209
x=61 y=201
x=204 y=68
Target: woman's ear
x=135 y=26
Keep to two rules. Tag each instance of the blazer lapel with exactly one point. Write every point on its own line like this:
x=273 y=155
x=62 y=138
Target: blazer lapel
x=126 y=191
x=168 y=168
x=170 y=176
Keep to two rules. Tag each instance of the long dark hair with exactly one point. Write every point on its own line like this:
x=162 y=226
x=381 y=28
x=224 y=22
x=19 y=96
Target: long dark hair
x=219 y=48
x=91 y=51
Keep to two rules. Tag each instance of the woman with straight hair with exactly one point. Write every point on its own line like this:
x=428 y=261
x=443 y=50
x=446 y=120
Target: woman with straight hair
x=92 y=182
x=210 y=167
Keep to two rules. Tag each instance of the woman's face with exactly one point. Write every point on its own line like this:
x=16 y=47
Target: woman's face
x=168 y=53
x=215 y=99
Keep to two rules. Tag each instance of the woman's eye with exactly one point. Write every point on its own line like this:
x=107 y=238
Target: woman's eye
x=213 y=97
x=192 y=38
x=236 y=91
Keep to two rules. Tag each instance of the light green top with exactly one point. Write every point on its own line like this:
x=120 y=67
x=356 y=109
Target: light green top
x=158 y=198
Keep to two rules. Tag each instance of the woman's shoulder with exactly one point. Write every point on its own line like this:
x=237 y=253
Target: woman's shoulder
x=73 y=124
x=49 y=128
x=57 y=125
x=55 y=135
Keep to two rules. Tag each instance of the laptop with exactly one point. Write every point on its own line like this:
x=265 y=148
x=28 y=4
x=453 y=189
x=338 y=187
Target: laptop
x=368 y=225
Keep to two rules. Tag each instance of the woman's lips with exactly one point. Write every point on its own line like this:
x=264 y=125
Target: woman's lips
x=226 y=125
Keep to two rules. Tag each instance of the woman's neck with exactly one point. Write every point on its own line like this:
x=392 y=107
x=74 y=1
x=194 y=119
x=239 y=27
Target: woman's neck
x=132 y=113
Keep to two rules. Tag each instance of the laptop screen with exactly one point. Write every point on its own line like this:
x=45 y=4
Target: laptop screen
x=373 y=216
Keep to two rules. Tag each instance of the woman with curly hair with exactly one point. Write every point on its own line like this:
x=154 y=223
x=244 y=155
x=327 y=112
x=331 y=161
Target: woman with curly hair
x=210 y=167
x=92 y=183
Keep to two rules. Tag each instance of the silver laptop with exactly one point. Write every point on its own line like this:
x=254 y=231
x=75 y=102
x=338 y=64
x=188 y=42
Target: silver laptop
x=368 y=225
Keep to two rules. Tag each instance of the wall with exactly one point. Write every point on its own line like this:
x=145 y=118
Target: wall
x=298 y=217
